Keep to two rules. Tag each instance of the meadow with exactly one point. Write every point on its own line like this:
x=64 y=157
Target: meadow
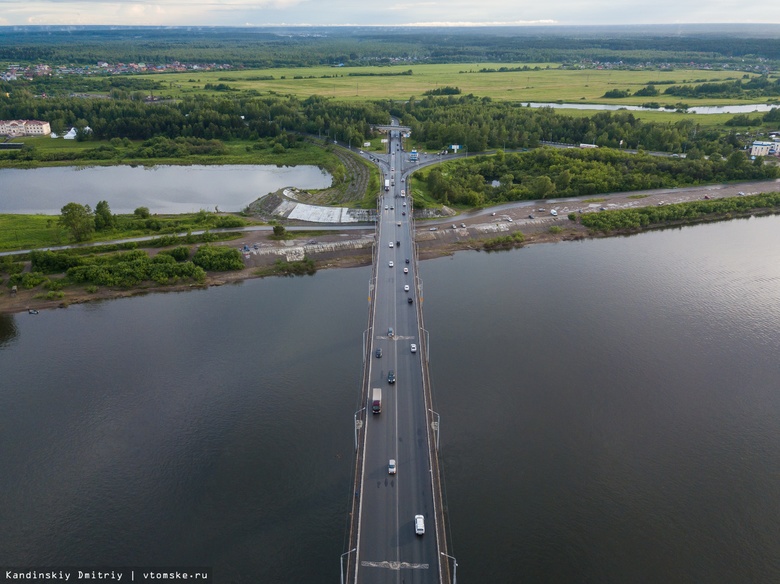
x=542 y=82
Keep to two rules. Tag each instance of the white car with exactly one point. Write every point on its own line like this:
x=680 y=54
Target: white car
x=406 y=287
x=413 y=348
x=554 y=213
x=406 y=270
x=390 y=264
x=391 y=468
x=391 y=244
x=385 y=207
x=419 y=524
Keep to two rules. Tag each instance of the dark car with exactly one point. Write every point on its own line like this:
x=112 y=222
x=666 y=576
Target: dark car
x=403 y=213
x=397 y=243
x=409 y=300
x=378 y=353
x=391 y=376
x=407 y=260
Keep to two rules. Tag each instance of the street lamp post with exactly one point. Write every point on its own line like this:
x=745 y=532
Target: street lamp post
x=438 y=424
x=342 y=563
x=454 y=569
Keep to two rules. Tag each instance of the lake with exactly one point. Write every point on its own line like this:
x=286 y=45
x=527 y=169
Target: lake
x=162 y=189
x=609 y=412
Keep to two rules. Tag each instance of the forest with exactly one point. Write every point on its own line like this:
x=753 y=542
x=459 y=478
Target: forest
x=301 y=47
x=554 y=172
x=200 y=125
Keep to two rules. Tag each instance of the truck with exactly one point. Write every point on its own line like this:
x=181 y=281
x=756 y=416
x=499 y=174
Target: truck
x=413 y=156
x=387 y=184
x=376 y=400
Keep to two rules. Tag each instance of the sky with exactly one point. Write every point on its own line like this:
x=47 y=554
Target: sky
x=384 y=12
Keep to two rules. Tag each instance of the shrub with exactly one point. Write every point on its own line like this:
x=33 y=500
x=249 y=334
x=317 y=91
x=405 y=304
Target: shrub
x=218 y=259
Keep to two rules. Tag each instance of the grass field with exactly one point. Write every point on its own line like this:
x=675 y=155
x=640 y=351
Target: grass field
x=546 y=82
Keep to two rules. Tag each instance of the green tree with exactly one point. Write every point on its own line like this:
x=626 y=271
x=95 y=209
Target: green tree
x=542 y=187
x=142 y=213
x=279 y=231
x=78 y=219
x=103 y=217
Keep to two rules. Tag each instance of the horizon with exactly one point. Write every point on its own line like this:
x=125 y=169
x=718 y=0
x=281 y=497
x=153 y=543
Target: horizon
x=355 y=13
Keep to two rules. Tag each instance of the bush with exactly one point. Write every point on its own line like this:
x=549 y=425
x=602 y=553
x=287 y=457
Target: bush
x=180 y=253
x=218 y=259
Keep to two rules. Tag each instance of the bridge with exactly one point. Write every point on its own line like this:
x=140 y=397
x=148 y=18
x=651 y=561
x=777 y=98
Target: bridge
x=384 y=543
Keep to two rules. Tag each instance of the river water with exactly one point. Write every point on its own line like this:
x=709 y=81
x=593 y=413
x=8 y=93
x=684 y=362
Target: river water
x=610 y=413
x=699 y=109
x=162 y=189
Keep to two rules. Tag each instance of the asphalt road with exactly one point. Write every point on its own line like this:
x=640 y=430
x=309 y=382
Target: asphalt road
x=388 y=549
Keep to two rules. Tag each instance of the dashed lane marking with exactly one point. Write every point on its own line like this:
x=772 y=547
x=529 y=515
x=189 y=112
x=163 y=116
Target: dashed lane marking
x=395 y=565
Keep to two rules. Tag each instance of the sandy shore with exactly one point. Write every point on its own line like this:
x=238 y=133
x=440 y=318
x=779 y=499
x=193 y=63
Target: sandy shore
x=434 y=239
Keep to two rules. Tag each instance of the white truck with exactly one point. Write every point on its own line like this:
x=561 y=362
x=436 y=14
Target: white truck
x=387 y=184
x=376 y=400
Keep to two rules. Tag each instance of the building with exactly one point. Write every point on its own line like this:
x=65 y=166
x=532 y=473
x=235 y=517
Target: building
x=763 y=148
x=15 y=128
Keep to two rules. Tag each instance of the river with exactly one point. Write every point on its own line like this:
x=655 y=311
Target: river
x=162 y=189
x=609 y=413
x=698 y=109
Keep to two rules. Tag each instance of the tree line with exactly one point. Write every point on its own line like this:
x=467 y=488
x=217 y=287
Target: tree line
x=548 y=172
x=644 y=217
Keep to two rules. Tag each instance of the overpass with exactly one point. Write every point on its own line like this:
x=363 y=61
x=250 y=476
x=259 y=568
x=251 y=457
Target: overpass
x=384 y=546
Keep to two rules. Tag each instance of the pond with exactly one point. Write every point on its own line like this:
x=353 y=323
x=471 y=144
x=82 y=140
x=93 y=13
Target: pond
x=163 y=189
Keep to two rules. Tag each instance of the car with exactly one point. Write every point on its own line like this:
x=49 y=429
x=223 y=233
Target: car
x=404 y=204
x=391 y=244
x=413 y=348
x=392 y=208
x=454 y=226
x=406 y=287
x=403 y=213
x=390 y=332
x=391 y=376
x=409 y=300
x=433 y=229
x=419 y=524
x=530 y=216
x=386 y=207
x=554 y=213
x=391 y=468
x=463 y=225
x=602 y=208
x=402 y=179
x=392 y=169
x=707 y=197
x=407 y=260
x=398 y=244
x=378 y=353
x=509 y=219
x=741 y=193
x=493 y=213
x=541 y=209
x=390 y=264
x=399 y=224
x=406 y=270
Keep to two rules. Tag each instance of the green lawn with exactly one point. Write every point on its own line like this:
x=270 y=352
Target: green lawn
x=30 y=231
x=546 y=84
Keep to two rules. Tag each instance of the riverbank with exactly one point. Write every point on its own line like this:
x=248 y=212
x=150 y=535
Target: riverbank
x=353 y=248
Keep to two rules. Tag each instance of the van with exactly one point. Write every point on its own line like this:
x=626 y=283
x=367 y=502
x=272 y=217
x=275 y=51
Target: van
x=419 y=524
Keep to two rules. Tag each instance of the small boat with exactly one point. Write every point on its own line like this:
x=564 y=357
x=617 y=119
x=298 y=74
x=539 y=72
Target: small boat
x=32 y=311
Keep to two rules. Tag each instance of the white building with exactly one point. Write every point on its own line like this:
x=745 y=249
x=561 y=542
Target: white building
x=16 y=128
x=763 y=148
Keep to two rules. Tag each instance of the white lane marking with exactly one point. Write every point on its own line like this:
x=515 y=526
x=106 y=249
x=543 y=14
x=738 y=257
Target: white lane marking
x=394 y=565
